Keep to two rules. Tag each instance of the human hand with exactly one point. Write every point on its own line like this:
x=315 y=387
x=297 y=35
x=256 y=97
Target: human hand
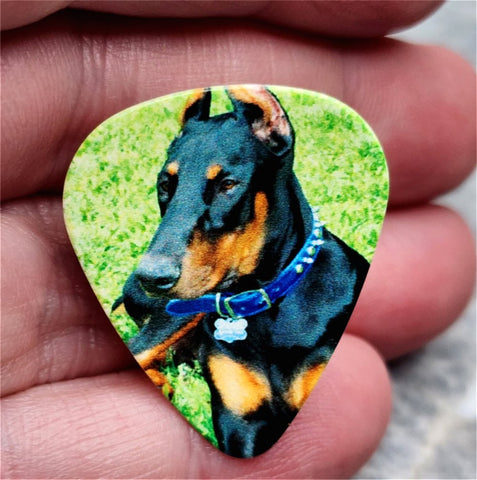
x=74 y=403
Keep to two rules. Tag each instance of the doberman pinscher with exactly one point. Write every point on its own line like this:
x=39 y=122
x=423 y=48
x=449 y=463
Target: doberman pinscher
x=238 y=273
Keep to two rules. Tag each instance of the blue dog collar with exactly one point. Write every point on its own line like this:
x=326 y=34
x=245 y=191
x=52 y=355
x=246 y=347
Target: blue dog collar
x=251 y=302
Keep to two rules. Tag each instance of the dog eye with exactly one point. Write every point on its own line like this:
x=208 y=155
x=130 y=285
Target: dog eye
x=164 y=186
x=228 y=184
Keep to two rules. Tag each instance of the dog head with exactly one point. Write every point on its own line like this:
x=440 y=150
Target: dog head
x=214 y=194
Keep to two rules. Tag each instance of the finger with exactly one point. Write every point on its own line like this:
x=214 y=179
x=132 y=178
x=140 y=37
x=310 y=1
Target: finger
x=356 y=19
x=427 y=133
x=419 y=282
x=53 y=327
x=120 y=426
x=16 y=14
x=419 y=100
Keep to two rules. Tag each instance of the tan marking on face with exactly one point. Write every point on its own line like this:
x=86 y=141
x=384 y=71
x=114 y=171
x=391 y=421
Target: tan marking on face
x=195 y=95
x=242 y=389
x=207 y=263
x=274 y=118
x=302 y=385
x=213 y=171
x=157 y=354
x=172 y=168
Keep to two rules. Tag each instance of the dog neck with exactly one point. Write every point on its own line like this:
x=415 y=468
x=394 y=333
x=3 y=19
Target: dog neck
x=289 y=225
x=294 y=239
x=255 y=300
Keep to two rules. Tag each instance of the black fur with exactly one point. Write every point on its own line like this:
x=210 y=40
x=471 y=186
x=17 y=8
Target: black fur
x=300 y=330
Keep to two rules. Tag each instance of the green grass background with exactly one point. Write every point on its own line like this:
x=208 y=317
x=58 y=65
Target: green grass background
x=111 y=209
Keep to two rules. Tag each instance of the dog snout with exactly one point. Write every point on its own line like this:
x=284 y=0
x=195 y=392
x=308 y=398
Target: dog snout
x=156 y=275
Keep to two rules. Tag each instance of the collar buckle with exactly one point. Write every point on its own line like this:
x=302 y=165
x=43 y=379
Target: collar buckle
x=252 y=302
x=242 y=304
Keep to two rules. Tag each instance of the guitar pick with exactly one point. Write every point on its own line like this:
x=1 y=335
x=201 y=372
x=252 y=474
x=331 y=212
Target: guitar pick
x=227 y=233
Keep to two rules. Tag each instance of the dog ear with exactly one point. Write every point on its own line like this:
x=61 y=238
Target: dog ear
x=265 y=116
x=197 y=106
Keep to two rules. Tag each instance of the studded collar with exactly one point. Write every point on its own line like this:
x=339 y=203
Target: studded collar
x=252 y=302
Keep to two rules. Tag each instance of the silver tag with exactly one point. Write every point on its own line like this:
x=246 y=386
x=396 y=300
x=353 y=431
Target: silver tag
x=230 y=329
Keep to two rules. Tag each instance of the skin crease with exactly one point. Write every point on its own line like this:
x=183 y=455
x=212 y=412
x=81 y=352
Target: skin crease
x=69 y=86
x=74 y=403
x=356 y=19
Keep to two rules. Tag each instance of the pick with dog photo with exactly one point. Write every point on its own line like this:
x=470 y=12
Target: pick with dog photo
x=227 y=233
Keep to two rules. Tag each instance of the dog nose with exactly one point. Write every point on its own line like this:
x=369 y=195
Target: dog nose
x=157 y=274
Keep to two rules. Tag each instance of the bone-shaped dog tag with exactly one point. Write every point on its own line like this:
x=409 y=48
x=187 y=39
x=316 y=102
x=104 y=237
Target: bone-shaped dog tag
x=230 y=329
x=192 y=217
